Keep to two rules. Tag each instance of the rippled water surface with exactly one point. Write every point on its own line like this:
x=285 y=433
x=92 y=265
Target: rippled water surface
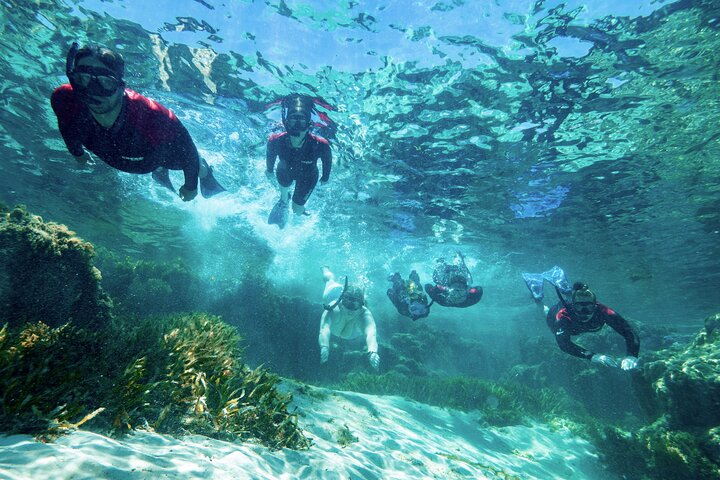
x=526 y=133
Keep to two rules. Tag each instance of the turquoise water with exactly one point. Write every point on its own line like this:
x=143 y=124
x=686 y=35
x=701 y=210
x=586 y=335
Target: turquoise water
x=525 y=133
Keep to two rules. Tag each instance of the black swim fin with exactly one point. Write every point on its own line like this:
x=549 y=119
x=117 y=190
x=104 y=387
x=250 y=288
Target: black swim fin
x=162 y=176
x=210 y=187
x=279 y=214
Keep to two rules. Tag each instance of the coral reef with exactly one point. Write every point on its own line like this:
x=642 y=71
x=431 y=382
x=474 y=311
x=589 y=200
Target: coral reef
x=47 y=274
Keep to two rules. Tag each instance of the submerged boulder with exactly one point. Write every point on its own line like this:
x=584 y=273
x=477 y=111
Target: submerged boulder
x=685 y=382
x=47 y=274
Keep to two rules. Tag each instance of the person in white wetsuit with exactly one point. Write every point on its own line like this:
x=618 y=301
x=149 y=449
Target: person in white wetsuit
x=346 y=316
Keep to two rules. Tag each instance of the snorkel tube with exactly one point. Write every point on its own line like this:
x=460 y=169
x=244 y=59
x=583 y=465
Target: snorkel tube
x=70 y=60
x=331 y=306
x=562 y=299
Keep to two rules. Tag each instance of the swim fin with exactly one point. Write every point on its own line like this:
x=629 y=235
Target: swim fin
x=279 y=214
x=556 y=276
x=162 y=176
x=534 y=283
x=209 y=186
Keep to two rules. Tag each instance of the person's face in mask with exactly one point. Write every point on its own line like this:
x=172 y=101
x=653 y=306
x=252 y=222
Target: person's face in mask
x=297 y=124
x=99 y=87
x=584 y=310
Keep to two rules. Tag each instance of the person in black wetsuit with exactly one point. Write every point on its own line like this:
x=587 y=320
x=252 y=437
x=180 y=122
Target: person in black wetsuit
x=582 y=313
x=408 y=297
x=453 y=285
x=126 y=130
x=298 y=151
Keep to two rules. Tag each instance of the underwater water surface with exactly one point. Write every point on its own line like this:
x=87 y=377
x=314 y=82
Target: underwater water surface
x=524 y=133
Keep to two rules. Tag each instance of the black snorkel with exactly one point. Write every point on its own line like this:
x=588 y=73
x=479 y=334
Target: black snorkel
x=562 y=299
x=70 y=61
x=331 y=306
x=467 y=270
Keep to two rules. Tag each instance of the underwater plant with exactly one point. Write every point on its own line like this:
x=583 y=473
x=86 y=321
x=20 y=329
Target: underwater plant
x=185 y=375
x=345 y=436
x=44 y=383
x=501 y=404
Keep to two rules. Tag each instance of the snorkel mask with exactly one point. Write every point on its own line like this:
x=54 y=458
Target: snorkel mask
x=296 y=114
x=92 y=81
x=583 y=302
x=354 y=298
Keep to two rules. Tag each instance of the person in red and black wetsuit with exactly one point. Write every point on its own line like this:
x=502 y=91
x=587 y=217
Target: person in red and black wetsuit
x=126 y=130
x=453 y=285
x=298 y=151
x=584 y=314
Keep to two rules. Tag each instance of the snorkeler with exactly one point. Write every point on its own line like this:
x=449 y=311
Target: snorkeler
x=453 y=285
x=581 y=313
x=408 y=296
x=299 y=152
x=127 y=131
x=345 y=315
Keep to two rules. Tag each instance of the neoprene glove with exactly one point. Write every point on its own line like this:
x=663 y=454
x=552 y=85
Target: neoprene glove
x=629 y=363
x=324 y=354
x=604 y=360
x=374 y=360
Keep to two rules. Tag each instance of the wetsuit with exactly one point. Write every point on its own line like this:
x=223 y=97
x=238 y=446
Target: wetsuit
x=564 y=326
x=413 y=305
x=299 y=164
x=438 y=293
x=145 y=135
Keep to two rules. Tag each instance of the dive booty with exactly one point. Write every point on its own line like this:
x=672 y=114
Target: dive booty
x=279 y=214
x=209 y=187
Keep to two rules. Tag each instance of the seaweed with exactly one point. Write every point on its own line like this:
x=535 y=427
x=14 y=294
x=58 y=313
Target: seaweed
x=501 y=404
x=186 y=375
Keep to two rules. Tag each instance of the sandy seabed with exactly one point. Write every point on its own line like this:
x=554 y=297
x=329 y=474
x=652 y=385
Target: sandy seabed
x=396 y=439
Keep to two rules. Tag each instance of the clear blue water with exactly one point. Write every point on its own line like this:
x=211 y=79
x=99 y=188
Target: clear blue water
x=525 y=133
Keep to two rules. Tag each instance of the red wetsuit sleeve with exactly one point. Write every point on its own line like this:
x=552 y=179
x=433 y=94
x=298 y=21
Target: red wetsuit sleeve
x=67 y=108
x=169 y=142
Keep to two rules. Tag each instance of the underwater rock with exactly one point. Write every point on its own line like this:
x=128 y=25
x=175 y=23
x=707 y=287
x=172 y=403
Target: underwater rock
x=711 y=444
x=712 y=323
x=47 y=274
x=685 y=382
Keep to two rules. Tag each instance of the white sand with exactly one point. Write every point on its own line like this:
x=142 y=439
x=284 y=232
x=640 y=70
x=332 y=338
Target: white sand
x=397 y=439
